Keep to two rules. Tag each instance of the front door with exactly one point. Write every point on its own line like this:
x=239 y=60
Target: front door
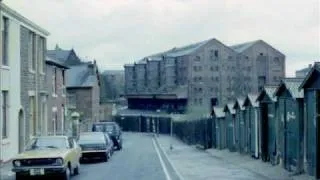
x=21 y=131
x=264 y=131
x=318 y=136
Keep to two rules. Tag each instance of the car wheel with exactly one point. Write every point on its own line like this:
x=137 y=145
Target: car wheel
x=105 y=157
x=66 y=174
x=76 y=170
x=20 y=176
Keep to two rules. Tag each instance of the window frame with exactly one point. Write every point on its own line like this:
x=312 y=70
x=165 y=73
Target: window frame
x=5 y=113
x=5 y=41
x=31 y=51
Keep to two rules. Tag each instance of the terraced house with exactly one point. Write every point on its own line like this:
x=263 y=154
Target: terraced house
x=82 y=85
x=57 y=101
x=201 y=75
x=23 y=91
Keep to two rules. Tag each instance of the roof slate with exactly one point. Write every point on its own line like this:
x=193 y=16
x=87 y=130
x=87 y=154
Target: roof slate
x=178 y=51
x=238 y=102
x=60 y=54
x=56 y=62
x=252 y=99
x=230 y=108
x=269 y=90
x=316 y=67
x=292 y=84
x=243 y=46
x=80 y=76
x=218 y=112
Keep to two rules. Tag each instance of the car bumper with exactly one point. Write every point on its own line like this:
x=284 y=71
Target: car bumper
x=51 y=170
x=93 y=154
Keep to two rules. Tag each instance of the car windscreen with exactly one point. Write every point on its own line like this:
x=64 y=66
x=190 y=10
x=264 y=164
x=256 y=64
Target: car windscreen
x=110 y=127
x=91 y=139
x=103 y=127
x=54 y=142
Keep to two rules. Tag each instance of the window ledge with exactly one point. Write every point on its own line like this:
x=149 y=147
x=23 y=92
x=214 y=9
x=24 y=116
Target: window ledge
x=54 y=95
x=32 y=71
x=5 y=141
x=42 y=73
x=5 y=67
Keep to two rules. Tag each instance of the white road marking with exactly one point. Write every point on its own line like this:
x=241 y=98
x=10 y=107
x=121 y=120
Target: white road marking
x=170 y=162
x=165 y=170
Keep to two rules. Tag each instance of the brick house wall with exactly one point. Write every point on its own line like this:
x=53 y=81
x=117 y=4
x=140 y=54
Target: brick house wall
x=33 y=85
x=56 y=101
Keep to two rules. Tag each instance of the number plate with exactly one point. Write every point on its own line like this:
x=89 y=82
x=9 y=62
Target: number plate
x=35 y=172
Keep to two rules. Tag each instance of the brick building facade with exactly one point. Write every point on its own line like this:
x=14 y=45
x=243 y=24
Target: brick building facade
x=212 y=72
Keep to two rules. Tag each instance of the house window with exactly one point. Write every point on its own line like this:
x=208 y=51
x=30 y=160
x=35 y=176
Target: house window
x=32 y=115
x=41 y=54
x=200 y=89
x=276 y=61
x=261 y=54
x=200 y=68
x=200 y=101
x=217 y=78
x=195 y=68
x=64 y=82
x=195 y=101
x=71 y=100
x=54 y=81
x=211 y=68
x=216 y=53
x=217 y=68
x=5 y=41
x=200 y=78
x=5 y=114
x=32 y=50
x=43 y=114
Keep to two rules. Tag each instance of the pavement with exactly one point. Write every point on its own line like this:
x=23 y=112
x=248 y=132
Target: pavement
x=195 y=164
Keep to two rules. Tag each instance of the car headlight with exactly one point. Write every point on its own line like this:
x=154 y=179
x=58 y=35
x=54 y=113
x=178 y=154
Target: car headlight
x=17 y=163
x=59 y=162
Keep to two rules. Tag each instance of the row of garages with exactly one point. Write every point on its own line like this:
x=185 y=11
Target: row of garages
x=280 y=125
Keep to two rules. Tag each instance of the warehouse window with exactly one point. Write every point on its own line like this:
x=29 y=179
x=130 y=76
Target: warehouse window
x=216 y=53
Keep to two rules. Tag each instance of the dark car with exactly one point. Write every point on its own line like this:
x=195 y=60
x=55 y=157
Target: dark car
x=95 y=145
x=111 y=128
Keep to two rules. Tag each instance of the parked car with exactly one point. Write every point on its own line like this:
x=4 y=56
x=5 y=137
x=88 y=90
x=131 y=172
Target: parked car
x=111 y=128
x=95 y=145
x=48 y=155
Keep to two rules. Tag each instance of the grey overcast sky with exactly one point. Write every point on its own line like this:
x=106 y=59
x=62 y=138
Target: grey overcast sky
x=115 y=32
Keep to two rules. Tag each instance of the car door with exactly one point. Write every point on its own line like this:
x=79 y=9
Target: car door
x=108 y=141
x=73 y=152
x=77 y=149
